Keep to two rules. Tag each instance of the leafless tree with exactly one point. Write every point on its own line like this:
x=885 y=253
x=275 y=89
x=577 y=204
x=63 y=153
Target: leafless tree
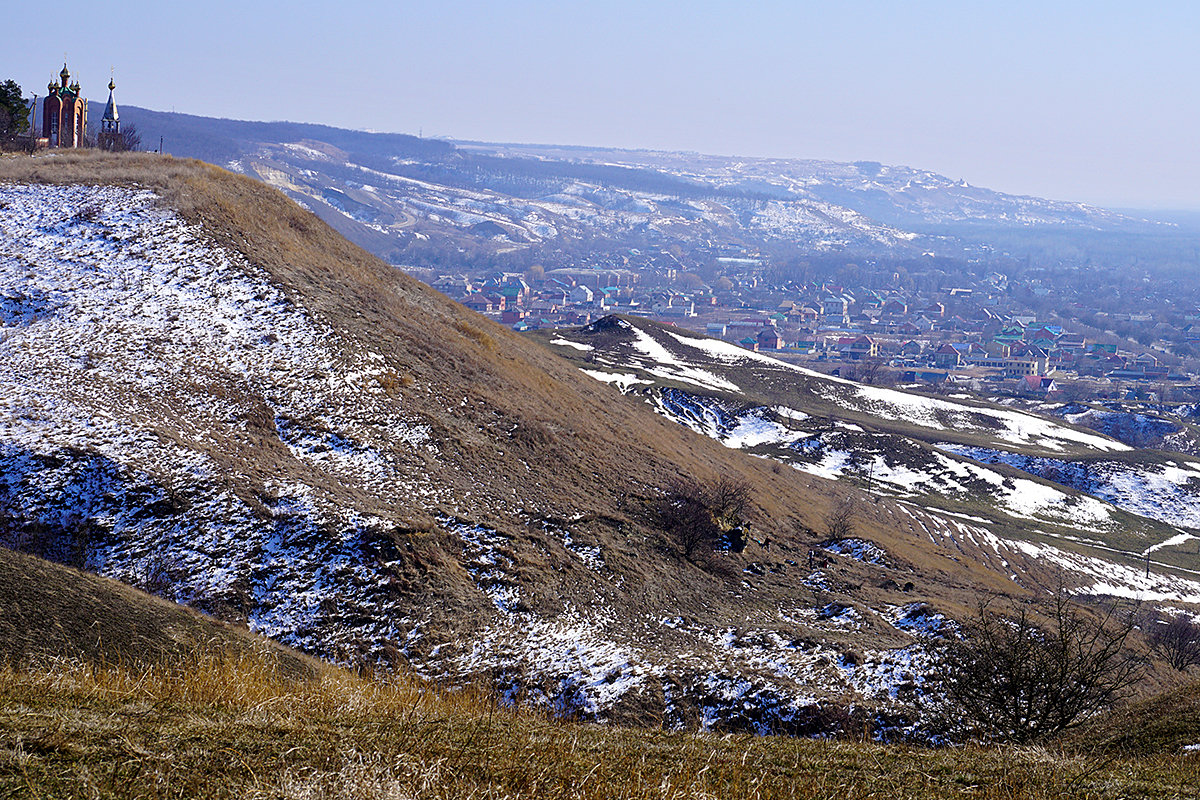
x=839 y=522
x=871 y=370
x=131 y=139
x=1177 y=641
x=1014 y=679
x=697 y=514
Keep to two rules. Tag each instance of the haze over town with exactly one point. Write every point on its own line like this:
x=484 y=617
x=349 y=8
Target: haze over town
x=1092 y=102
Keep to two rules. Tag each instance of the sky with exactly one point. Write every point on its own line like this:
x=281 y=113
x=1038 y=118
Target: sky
x=1096 y=101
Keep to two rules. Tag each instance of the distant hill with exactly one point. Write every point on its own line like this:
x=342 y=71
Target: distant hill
x=450 y=205
x=990 y=476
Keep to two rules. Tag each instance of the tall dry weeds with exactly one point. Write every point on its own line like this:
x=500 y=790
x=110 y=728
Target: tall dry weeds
x=218 y=727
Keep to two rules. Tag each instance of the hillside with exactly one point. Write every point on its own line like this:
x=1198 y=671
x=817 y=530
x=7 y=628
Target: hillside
x=54 y=613
x=1001 y=478
x=126 y=695
x=208 y=393
x=472 y=206
x=245 y=734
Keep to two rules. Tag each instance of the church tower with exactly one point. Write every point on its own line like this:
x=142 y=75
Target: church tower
x=110 y=136
x=64 y=113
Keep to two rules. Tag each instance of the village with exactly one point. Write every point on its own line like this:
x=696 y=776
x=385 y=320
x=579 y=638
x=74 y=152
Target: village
x=977 y=338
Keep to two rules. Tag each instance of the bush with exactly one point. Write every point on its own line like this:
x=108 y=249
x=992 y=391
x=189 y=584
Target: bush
x=1010 y=679
x=1177 y=641
x=697 y=515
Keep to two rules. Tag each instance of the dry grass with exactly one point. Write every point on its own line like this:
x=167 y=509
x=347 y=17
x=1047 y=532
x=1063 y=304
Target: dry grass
x=51 y=611
x=219 y=728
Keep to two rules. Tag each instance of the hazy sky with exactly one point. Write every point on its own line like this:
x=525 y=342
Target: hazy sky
x=1094 y=101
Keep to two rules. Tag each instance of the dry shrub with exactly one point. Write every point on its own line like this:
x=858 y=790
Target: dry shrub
x=476 y=334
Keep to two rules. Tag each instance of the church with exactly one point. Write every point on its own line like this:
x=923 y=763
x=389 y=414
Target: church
x=64 y=117
x=64 y=113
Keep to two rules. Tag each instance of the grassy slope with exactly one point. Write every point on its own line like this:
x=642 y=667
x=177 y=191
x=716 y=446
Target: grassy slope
x=48 y=611
x=494 y=399
x=223 y=720
x=245 y=733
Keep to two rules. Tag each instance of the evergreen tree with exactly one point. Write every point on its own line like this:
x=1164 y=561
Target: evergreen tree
x=14 y=113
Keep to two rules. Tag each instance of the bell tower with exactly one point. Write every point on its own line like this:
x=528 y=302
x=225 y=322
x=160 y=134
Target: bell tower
x=110 y=136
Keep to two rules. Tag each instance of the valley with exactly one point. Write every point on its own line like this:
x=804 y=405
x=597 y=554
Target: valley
x=211 y=396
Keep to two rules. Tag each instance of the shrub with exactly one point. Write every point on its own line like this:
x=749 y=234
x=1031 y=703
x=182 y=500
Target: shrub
x=696 y=514
x=1012 y=679
x=1177 y=641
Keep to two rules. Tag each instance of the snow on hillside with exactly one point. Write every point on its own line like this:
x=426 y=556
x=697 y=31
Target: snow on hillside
x=1169 y=492
x=916 y=474
x=1080 y=489
x=1008 y=426
x=131 y=354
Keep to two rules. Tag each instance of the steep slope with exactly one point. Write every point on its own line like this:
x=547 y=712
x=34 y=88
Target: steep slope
x=1108 y=504
x=206 y=392
x=55 y=612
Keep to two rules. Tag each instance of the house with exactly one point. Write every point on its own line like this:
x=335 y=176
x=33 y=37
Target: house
x=804 y=315
x=1011 y=333
x=678 y=309
x=750 y=343
x=1145 y=360
x=1026 y=360
x=835 y=309
x=856 y=347
x=478 y=301
x=1072 y=342
x=950 y=356
x=769 y=339
x=1049 y=332
x=1036 y=385
x=453 y=285
x=582 y=295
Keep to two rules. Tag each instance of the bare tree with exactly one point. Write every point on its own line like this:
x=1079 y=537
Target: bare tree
x=697 y=514
x=1012 y=679
x=1177 y=641
x=872 y=370
x=839 y=522
x=131 y=139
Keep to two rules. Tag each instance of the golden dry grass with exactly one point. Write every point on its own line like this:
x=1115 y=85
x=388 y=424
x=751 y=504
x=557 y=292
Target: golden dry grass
x=219 y=728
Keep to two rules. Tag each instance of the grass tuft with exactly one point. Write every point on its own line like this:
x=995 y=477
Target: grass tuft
x=217 y=727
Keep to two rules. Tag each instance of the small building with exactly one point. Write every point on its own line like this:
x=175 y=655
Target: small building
x=769 y=339
x=64 y=113
x=857 y=347
x=1036 y=385
x=950 y=356
x=1025 y=361
x=110 y=136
